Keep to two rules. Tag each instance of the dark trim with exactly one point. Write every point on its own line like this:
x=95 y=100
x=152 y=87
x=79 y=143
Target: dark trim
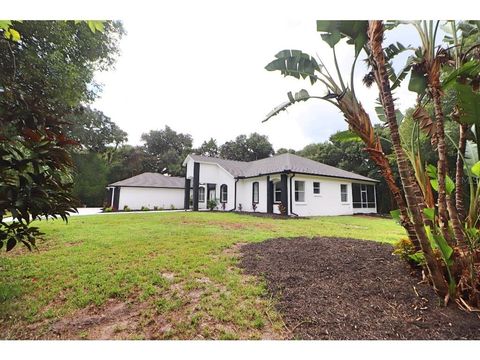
x=209 y=187
x=284 y=195
x=148 y=187
x=108 y=197
x=269 y=195
x=186 y=201
x=221 y=186
x=116 y=198
x=196 y=180
x=291 y=199
x=305 y=173
x=253 y=192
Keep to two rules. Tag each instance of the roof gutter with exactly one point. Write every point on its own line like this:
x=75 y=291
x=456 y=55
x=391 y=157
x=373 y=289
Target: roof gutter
x=311 y=174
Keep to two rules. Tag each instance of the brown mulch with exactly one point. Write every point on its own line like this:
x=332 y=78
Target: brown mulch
x=332 y=288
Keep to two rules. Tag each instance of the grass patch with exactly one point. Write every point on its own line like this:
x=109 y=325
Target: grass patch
x=176 y=262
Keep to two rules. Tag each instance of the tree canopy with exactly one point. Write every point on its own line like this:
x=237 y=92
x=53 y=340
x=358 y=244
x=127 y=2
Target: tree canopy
x=93 y=130
x=243 y=148
x=45 y=74
x=167 y=150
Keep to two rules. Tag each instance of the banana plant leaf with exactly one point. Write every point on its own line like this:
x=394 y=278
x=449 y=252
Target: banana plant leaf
x=295 y=63
x=335 y=30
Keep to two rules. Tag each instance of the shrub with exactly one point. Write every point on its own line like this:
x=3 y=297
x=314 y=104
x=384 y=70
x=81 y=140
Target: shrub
x=108 y=209
x=282 y=209
x=172 y=207
x=212 y=204
x=254 y=207
x=126 y=208
x=406 y=250
x=145 y=208
x=240 y=208
x=155 y=208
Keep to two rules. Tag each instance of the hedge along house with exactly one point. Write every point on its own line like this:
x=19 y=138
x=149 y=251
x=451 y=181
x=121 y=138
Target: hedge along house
x=146 y=190
x=300 y=186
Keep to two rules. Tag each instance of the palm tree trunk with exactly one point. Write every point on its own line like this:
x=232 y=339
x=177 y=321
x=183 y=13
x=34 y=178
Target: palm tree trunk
x=462 y=143
x=445 y=206
x=375 y=34
x=381 y=161
x=359 y=122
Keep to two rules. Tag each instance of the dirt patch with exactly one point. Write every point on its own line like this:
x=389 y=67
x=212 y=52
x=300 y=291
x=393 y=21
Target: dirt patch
x=113 y=320
x=331 y=288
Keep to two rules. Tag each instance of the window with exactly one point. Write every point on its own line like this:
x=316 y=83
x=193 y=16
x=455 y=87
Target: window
x=316 y=188
x=277 y=192
x=201 y=194
x=363 y=196
x=343 y=192
x=300 y=191
x=255 y=192
x=223 y=193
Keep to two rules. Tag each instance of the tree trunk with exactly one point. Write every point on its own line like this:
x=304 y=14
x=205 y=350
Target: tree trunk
x=381 y=161
x=445 y=206
x=462 y=143
x=360 y=124
x=375 y=34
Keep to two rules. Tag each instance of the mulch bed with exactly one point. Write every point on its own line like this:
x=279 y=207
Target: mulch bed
x=332 y=288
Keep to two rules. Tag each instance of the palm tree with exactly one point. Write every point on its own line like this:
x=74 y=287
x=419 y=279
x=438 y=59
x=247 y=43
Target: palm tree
x=409 y=184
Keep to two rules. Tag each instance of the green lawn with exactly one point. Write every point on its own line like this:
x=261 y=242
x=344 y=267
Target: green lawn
x=176 y=271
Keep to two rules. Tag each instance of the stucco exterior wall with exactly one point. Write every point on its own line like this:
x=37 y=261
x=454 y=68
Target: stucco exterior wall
x=136 y=197
x=328 y=202
x=245 y=194
x=214 y=174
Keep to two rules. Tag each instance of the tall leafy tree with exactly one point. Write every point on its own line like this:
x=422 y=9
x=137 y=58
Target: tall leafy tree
x=46 y=70
x=94 y=131
x=285 y=151
x=208 y=148
x=128 y=161
x=90 y=178
x=243 y=148
x=167 y=150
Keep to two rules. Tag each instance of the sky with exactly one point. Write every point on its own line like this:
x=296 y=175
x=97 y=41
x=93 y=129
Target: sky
x=198 y=66
x=202 y=72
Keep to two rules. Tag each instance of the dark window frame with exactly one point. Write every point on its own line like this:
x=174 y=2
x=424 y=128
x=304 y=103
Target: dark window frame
x=222 y=187
x=255 y=183
x=201 y=190
x=277 y=187
x=363 y=196
x=342 y=193
x=316 y=188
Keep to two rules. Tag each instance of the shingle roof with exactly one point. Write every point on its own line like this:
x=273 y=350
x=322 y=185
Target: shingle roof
x=152 y=180
x=278 y=164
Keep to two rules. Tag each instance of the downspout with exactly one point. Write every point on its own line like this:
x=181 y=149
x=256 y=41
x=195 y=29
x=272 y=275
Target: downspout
x=235 y=196
x=291 y=199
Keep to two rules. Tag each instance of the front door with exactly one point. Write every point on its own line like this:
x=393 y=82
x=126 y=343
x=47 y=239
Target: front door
x=211 y=193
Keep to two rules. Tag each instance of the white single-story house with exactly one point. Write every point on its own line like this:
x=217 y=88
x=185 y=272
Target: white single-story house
x=149 y=190
x=295 y=184
x=301 y=186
